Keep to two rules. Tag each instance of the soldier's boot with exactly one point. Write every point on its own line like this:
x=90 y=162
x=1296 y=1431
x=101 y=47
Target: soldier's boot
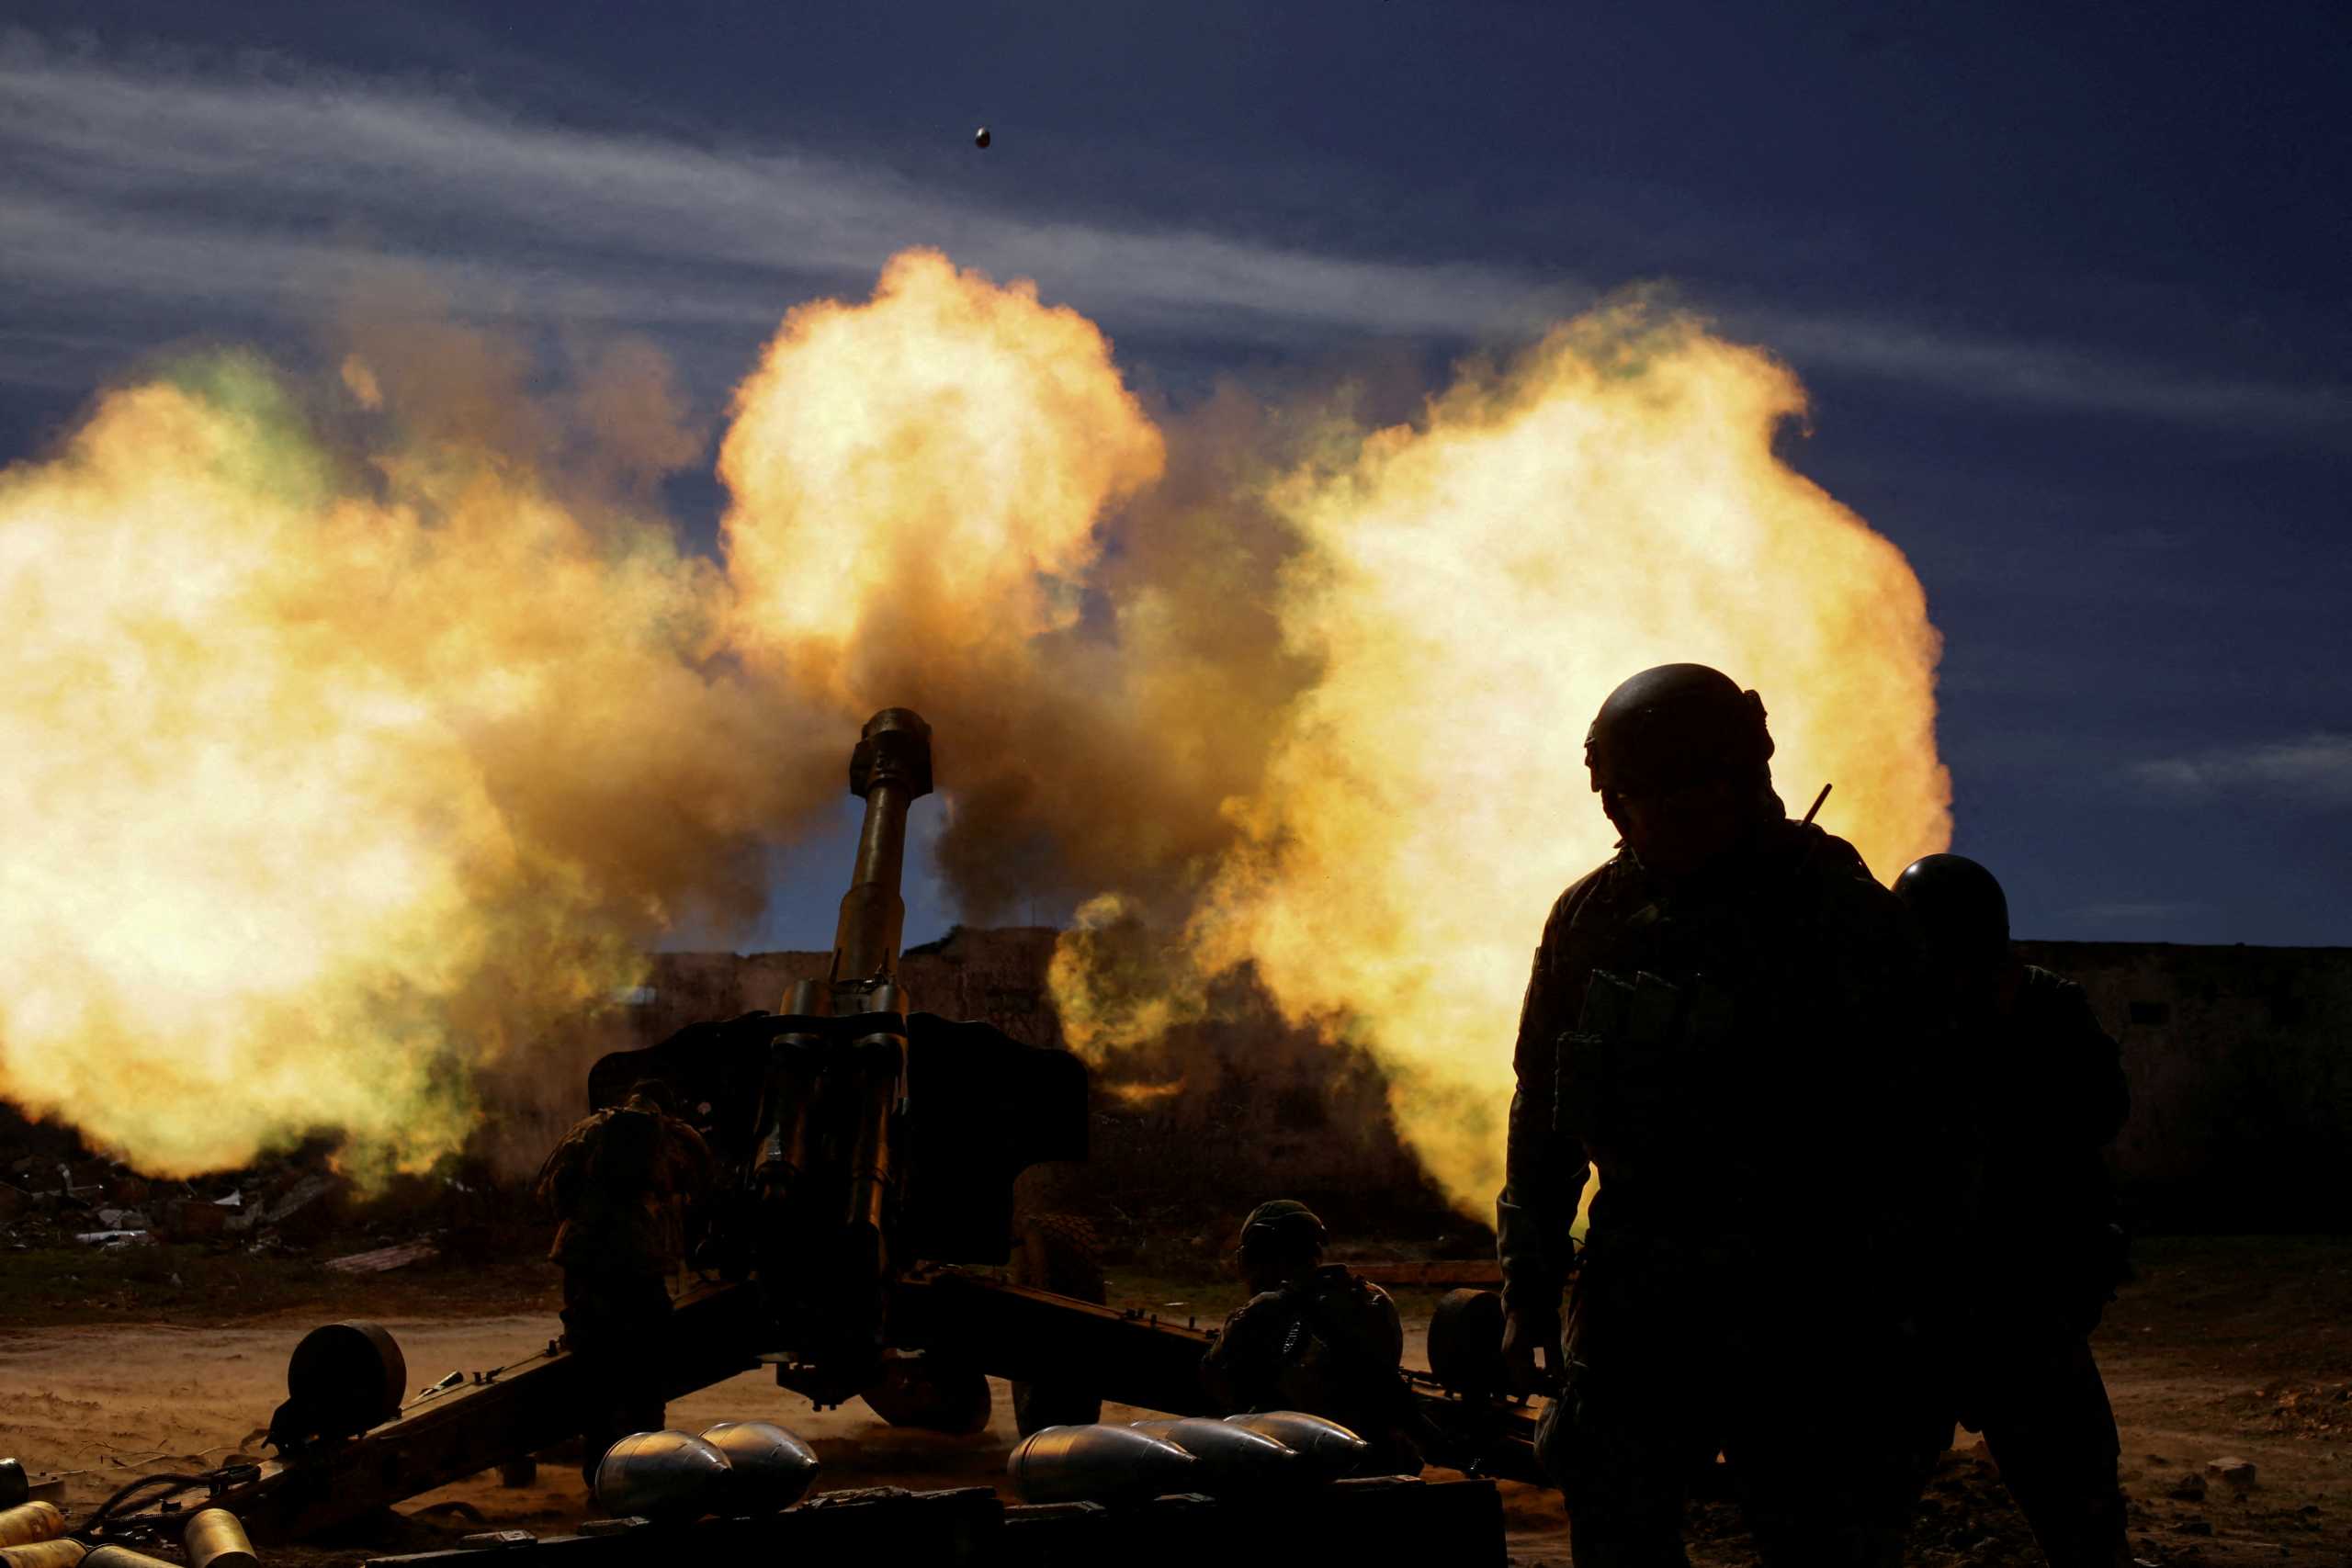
x=1624 y=1494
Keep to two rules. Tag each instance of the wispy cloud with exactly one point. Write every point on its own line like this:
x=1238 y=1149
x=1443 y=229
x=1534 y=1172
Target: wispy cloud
x=2136 y=911
x=2315 y=770
x=137 y=187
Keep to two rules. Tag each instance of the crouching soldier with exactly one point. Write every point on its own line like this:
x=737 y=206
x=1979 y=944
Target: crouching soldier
x=2047 y=1096
x=620 y=1184
x=1314 y=1338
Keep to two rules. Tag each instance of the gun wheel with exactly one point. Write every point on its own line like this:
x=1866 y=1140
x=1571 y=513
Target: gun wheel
x=1057 y=1253
x=954 y=1400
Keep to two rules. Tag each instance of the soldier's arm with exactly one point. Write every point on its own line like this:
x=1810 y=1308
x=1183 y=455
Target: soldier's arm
x=1243 y=1345
x=2101 y=1096
x=700 y=1175
x=1544 y=1170
x=1389 y=1330
x=558 y=1175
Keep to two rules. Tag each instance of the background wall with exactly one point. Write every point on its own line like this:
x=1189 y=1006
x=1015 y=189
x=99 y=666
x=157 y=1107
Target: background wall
x=2240 y=1060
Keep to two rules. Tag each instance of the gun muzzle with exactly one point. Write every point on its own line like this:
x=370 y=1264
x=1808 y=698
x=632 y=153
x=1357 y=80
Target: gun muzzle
x=889 y=771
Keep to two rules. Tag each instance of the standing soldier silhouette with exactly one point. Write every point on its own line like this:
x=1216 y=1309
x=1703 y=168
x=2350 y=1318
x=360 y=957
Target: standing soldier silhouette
x=2049 y=1096
x=621 y=1184
x=1726 y=1021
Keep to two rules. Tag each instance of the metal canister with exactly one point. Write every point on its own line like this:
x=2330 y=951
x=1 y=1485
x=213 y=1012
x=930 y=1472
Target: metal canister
x=14 y=1486
x=769 y=1468
x=29 y=1522
x=666 y=1476
x=213 y=1538
x=43 y=1554
x=121 y=1557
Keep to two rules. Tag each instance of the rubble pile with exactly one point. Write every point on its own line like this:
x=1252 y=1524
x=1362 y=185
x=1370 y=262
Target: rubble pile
x=56 y=1193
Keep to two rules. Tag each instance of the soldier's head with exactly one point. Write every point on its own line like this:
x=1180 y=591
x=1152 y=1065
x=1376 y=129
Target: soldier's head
x=653 y=1094
x=1280 y=1241
x=1963 y=919
x=1682 y=760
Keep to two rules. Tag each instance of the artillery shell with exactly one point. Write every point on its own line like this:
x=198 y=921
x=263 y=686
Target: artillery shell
x=213 y=1538
x=1329 y=1447
x=769 y=1468
x=29 y=1522
x=43 y=1554
x=1233 y=1458
x=14 y=1487
x=666 y=1476
x=1098 y=1464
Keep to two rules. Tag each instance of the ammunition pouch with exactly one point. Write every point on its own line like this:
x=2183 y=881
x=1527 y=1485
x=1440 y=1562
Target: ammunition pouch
x=1625 y=1076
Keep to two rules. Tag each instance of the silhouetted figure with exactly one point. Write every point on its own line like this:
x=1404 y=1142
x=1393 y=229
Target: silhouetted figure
x=620 y=1184
x=1726 y=1022
x=2049 y=1096
x=1315 y=1337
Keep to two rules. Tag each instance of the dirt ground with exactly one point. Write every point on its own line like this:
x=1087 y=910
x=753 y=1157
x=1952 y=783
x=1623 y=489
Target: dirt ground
x=114 y=1366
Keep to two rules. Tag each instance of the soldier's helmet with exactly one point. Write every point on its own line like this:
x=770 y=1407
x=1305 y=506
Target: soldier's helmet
x=1959 y=906
x=1672 y=725
x=1281 y=1225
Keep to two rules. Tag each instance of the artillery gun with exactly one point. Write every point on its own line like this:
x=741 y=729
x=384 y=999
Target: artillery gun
x=873 y=1151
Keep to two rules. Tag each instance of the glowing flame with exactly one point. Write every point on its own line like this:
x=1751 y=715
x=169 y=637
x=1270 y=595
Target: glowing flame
x=916 y=480
x=1470 y=589
x=326 y=788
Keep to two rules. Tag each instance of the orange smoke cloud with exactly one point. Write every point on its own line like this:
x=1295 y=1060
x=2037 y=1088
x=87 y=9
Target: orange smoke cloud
x=925 y=490
x=916 y=480
x=349 y=767
x=1469 y=589
x=328 y=787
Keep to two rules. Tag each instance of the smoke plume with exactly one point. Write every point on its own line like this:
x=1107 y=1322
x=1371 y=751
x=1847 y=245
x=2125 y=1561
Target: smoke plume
x=362 y=732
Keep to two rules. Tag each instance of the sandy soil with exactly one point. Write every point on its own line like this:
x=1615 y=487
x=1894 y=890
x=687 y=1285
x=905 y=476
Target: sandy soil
x=2233 y=1348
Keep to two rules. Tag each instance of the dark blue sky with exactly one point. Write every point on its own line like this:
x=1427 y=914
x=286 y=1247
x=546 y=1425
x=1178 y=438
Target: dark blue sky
x=2068 y=284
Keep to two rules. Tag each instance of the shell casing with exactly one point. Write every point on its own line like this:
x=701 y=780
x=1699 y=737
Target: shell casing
x=121 y=1557
x=43 y=1554
x=29 y=1522
x=214 y=1538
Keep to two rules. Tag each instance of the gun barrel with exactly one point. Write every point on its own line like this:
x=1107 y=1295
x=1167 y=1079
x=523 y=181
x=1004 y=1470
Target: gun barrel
x=890 y=769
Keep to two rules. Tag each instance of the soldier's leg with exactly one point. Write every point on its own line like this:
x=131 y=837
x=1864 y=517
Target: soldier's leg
x=645 y=1304
x=1827 y=1447
x=2055 y=1441
x=1619 y=1441
x=590 y=1336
